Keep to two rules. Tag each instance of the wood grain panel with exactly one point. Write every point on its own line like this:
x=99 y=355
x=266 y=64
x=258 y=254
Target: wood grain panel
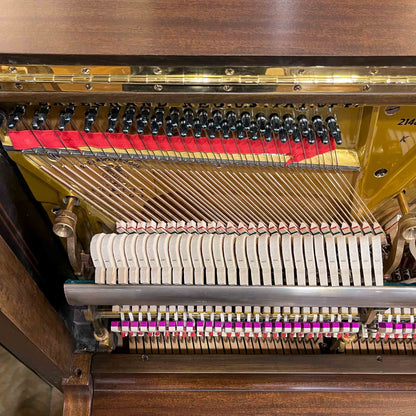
x=78 y=387
x=248 y=403
x=234 y=31
x=253 y=382
x=29 y=326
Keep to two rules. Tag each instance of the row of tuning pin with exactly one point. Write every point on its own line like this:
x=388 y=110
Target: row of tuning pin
x=217 y=123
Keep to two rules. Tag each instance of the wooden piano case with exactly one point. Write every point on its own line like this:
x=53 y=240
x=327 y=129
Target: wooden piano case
x=188 y=33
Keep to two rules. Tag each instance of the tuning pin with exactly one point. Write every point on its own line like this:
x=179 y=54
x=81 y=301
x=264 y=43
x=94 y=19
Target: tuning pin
x=334 y=130
x=337 y=136
x=318 y=125
x=188 y=115
x=253 y=131
x=288 y=123
x=169 y=126
x=197 y=128
x=275 y=122
x=90 y=117
x=140 y=124
x=240 y=129
x=183 y=127
x=231 y=119
x=211 y=129
x=145 y=114
x=282 y=134
x=203 y=118
x=159 y=114
x=128 y=117
x=296 y=136
x=311 y=136
x=174 y=115
x=65 y=117
x=246 y=119
x=154 y=126
x=16 y=115
x=217 y=118
x=225 y=129
x=261 y=122
x=268 y=132
x=40 y=116
x=324 y=136
x=331 y=123
x=303 y=125
x=112 y=118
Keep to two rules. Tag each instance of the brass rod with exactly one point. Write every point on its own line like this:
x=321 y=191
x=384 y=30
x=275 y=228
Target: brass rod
x=404 y=207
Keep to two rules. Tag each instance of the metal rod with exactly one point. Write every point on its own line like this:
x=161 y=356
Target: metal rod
x=377 y=297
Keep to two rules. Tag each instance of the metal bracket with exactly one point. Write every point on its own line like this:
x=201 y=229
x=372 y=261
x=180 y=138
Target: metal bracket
x=406 y=232
x=65 y=226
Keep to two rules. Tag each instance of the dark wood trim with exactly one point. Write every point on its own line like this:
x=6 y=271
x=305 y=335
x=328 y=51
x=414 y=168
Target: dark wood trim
x=204 y=60
x=29 y=327
x=213 y=384
x=236 y=32
x=309 y=403
x=335 y=364
x=78 y=388
x=173 y=97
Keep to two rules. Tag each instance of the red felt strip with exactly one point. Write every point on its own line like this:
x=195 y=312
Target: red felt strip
x=54 y=139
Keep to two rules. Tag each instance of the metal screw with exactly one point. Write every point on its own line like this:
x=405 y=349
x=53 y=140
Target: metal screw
x=157 y=70
x=158 y=87
x=145 y=357
x=301 y=71
x=229 y=71
x=380 y=173
x=379 y=358
x=297 y=87
x=19 y=86
x=85 y=71
x=12 y=69
x=392 y=110
x=366 y=87
x=227 y=88
x=88 y=86
x=373 y=71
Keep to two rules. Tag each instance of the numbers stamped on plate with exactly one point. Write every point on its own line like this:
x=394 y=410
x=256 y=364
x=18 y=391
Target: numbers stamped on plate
x=407 y=122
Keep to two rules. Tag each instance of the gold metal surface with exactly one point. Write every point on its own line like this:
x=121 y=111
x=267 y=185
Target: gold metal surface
x=386 y=142
x=374 y=138
x=202 y=79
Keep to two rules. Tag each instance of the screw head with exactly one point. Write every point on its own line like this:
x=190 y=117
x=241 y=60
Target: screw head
x=380 y=173
x=373 y=71
x=19 y=86
x=297 y=87
x=229 y=71
x=158 y=87
x=88 y=86
x=301 y=71
x=12 y=69
x=85 y=71
x=227 y=88
x=157 y=70
x=366 y=87
x=392 y=110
